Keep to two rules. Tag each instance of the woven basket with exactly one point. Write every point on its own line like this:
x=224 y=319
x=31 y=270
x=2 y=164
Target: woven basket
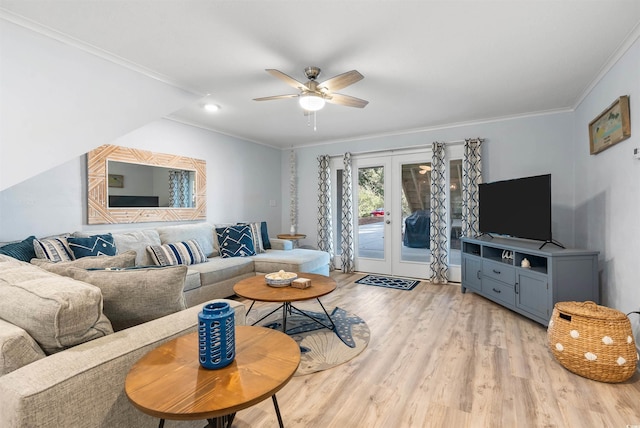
x=593 y=341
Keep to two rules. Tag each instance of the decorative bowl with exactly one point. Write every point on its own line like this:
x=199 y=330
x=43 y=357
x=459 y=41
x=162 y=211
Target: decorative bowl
x=280 y=279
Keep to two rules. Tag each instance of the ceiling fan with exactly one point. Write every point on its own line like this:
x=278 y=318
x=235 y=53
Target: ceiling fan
x=313 y=95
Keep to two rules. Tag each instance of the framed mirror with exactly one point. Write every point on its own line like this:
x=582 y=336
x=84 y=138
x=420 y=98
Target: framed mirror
x=133 y=186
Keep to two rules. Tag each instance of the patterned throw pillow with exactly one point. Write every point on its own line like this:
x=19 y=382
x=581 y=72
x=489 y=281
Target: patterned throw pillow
x=179 y=253
x=95 y=245
x=256 y=235
x=54 y=249
x=235 y=241
x=22 y=250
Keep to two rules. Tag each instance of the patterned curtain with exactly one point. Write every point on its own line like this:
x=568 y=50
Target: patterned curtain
x=293 y=194
x=439 y=239
x=179 y=189
x=325 y=234
x=471 y=178
x=348 y=246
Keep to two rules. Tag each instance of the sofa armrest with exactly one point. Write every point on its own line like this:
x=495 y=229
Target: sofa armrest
x=84 y=385
x=281 y=244
x=17 y=348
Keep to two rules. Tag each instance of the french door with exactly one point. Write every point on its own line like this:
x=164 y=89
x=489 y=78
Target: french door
x=392 y=198
x=393 y=201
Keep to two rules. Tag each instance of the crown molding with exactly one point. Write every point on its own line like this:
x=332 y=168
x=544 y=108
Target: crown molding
x=622 y=49
x=93 y=50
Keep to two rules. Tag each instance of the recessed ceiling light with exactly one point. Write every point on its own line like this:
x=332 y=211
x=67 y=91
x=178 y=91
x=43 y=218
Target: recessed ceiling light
x=211 y=108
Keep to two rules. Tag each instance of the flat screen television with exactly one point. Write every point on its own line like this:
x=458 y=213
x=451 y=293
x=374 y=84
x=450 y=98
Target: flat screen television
x=520 y=208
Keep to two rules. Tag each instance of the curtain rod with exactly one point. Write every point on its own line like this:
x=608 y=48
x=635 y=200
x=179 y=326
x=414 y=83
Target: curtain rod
x=398 y=149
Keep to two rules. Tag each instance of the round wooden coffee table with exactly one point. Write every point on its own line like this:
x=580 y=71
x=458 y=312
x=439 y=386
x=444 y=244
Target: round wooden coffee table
x=255 y=288
x=169 y=383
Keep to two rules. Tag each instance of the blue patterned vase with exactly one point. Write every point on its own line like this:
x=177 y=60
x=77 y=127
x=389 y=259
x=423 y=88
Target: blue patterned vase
x=216 y=334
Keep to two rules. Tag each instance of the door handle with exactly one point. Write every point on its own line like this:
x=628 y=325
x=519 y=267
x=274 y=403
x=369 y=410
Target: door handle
x=388 y=221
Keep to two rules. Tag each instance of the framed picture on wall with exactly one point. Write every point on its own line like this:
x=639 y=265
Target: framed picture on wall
x=116 y=180
x=611 y=126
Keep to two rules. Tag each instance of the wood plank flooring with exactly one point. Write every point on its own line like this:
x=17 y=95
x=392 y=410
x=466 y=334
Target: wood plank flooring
x=440 y=358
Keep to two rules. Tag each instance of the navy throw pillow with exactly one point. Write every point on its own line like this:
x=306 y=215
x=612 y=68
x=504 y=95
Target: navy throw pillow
x=22 y=250
x=235 y=241
x=95 y=245
x=265 y=236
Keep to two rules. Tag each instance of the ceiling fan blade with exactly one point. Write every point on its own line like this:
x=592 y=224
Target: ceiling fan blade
x=341 y=81
x=287 y=79
x=346 y=100
x=276 y=97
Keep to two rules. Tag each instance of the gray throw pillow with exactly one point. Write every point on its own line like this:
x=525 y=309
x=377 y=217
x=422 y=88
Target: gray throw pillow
x=137 y=295
x=123 y=260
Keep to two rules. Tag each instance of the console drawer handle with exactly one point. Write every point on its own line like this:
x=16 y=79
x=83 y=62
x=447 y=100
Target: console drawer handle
x=497 y=291
x=497 y=272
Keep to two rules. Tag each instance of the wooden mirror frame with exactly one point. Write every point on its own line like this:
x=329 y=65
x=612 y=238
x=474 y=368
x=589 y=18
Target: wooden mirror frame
x=98 y=210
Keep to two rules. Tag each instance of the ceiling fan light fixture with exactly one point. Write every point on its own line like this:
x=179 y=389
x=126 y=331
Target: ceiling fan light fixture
x=311 y=102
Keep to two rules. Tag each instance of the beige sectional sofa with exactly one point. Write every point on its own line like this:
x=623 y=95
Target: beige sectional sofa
x=216 y=278
x=63 y=361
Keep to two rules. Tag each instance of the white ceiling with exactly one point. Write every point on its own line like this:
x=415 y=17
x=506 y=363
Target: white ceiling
x=426 y=64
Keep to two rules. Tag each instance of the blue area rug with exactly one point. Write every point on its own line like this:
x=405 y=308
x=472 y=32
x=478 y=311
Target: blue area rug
x=321 y=348
x=388 y=282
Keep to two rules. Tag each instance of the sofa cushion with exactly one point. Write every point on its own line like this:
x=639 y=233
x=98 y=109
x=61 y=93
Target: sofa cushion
x=95 y=245
x=137 y=241
x=235 y=241
x=22 y=250
x=219 y=269
x=178 y=253
x=296 y=260
x=54 y=249
x=192 y=281
x=136 y=295
x=201 y=232
x=56 y=311
x=17 y=348
x=119 y=261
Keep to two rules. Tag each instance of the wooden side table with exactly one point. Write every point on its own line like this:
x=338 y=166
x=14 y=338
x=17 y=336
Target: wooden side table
x=295 y=238
x=169 y=383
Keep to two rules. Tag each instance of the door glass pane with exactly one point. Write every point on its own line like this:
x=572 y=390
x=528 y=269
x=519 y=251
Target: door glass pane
x=455 y=198
x=416 y=205
x=371 y=209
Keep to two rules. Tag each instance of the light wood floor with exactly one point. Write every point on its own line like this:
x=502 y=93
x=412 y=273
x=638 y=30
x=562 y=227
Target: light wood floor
x=440 y=358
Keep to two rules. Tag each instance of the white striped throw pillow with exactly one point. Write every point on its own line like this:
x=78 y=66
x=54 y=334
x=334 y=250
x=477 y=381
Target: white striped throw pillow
x=179 y=253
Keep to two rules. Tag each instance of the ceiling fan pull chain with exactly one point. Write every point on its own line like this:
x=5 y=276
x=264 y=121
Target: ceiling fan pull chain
x=315 y=128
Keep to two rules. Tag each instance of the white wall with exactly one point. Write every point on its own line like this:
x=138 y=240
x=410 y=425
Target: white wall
x=59 y=102
x=242 y=177
x=607 y=206
x=513 y=148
